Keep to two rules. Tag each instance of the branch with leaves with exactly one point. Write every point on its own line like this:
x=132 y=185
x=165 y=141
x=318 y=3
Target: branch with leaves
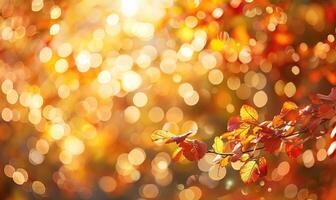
x=246 y=135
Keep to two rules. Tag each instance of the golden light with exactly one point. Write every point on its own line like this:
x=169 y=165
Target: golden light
x=185 y=53
x=74 y=145
x=131 y=81
x=290 y=89
x=6 y=86
x=156 y=114
x=37 y=5
x=64 y=50
x=107 y=183
x=18 y=178
x=260 y=99
x=55 y=12
x=140 y=99
x=83 y=61
x=85 y=83
x=112 y=19
x=61 y=66
x=130 y=7
x=45 y=54
x=137 y=156
x=38 y=187
x=104 y=77
x=57 y=131
x=132 y=114
x=55 y=29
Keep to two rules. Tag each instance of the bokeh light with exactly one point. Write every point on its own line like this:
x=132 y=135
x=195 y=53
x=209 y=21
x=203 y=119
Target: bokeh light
x=85 y=83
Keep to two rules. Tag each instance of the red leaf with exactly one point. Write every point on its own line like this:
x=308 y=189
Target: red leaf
x=266 y=127
x=326 y=111
x=193 y=149
x=262 y=167
x=271 y=144
x=180 y=138
x=293 y=150
x=233 y=123
x=291 y=115
x=314 y=99
x=238 y=152
x=314 y=123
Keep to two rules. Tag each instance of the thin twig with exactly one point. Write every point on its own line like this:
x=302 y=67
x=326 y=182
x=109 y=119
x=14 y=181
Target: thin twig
x=231 y=153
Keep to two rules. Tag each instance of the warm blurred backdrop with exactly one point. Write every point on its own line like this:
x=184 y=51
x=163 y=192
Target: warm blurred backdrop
x=85 y=82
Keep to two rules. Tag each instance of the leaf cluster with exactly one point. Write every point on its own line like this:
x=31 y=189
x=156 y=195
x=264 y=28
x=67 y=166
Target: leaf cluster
x=246 y=136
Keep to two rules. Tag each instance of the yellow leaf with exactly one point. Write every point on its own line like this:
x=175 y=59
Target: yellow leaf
x=248 y=114
x=218 y=145
x=246 y=141
x=243 y=130
x=162 y=136
x=249 y=173
x=244 y=157
x=257 y=130
x=228 y=134
x=223 y=162
x=287 y=106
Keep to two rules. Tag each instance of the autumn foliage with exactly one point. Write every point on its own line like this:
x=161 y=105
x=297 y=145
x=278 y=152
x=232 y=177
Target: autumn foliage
x=247 y=136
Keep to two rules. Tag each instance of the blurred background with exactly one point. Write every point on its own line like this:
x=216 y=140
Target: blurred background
x=85 y=83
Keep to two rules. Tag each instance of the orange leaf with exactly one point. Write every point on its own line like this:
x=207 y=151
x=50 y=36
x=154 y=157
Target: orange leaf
x=223 y=162
x=288 y=106
x=228 y=134
x=277 y=121
x=177 y=155
x=247 y=140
